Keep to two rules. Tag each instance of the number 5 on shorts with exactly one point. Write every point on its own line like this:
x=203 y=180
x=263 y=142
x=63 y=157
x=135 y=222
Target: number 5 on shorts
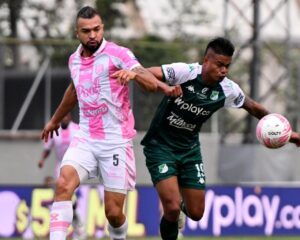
x=116 y=159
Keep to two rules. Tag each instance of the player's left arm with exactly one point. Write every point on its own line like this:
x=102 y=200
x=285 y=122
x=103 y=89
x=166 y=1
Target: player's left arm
x=257 y=110
x=141 y=75
x=254 y=108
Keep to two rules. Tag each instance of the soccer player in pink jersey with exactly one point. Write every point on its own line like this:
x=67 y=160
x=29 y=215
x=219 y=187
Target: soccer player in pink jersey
x=60 y=144
x=102 y=148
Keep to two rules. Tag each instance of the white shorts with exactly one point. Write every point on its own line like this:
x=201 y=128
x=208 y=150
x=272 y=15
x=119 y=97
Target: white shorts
x=113 y=164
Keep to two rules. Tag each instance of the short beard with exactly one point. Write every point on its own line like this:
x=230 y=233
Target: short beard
x=91 y=48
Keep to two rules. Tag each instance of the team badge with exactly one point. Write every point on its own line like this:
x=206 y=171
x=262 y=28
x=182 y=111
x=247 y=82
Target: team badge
x=163 y=168
x=214 y=95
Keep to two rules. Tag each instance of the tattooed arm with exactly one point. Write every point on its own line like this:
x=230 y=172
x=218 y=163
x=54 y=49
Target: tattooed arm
x=141 y=75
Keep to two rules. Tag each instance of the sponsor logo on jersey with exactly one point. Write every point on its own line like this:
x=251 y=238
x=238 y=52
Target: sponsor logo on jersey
x=178 y=122
x=191 y=88
x=203 y=93
x=191 y=107
x=92 y=112
x=214 y=95
x=163 y=168
x=204 y=90
x=171 y=74
x=239 y=99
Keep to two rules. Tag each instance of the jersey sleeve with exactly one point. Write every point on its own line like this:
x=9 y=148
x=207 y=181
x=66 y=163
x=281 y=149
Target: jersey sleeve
x=177 y=73
x=235 y=96
x=72 y=70
x=127 y=59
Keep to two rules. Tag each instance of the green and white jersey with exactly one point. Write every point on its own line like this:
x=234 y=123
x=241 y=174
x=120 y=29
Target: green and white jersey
x=177 y=121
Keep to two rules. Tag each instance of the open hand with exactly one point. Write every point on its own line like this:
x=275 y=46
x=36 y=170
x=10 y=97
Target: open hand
x=124 y=76
x=50 y=128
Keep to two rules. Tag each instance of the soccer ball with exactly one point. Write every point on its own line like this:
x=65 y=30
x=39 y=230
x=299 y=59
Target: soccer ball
x=273 y=130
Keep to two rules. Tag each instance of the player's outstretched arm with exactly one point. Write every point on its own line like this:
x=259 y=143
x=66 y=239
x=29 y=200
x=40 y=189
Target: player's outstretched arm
x=172 y=91
x=254 y=108
x=66 y=105
x=142 y=76
x=257 y=110
x=157 y=72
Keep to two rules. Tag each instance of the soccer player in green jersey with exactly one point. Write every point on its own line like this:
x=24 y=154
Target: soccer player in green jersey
x=172 y=146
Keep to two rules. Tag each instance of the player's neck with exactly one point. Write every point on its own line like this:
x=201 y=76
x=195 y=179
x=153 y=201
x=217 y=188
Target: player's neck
x=86 y=53
x=206 y=80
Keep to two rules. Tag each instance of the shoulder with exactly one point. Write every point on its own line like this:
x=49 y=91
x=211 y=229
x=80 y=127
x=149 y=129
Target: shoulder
x=114 y=48
x=228 y=85
x=235 y=96
x=181 y=71
x=188 y=67
x=75 y=54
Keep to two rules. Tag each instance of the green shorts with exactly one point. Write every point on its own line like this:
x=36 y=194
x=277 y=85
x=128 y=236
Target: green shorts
x=163 y=162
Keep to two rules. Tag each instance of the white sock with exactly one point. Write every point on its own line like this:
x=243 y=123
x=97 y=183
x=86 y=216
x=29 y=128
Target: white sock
x=61 y=218
x=118 y=233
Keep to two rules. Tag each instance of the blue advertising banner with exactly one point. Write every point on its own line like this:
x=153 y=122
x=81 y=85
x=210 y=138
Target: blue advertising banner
x=229 y=211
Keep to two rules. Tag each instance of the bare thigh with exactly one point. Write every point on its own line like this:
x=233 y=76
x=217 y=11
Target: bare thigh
x=169 y=194
x=194 y=200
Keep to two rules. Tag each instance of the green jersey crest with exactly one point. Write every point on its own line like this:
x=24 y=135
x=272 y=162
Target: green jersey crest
x=163 y=168
x=214 y=95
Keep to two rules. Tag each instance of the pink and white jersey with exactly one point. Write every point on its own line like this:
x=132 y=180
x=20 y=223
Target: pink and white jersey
x=105 y=111
x=61 y=142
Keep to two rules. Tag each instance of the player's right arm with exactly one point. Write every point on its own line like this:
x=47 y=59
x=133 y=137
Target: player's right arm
x=45 y=154
x=172 y=91
x=67 y=103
